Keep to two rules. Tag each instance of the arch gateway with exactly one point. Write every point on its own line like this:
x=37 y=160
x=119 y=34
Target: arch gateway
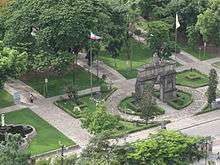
x=160 y=72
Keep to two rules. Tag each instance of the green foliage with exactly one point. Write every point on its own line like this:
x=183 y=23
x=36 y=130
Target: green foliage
x=12 y=63
x=183 y=100
x=10 y=153
x=99 y=152
x=192 y=78
x=100 y=120
x=166 y=147
x=5 y=99
x=147 y=103
x=47 y=137
x=193 y=36
x=45 y=62
x=159 y=37
x=208 y=23
x=212 y=86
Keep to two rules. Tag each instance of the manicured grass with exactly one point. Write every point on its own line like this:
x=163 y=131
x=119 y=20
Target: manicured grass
x=6 y=99
x=127 y=106
x=89 y=105
x=47 y=137
x=183 y=100
x=86 y=103
x=217 y=64
x=196 y=52
x=140 y=56
x=56 y=84
x=192 y=78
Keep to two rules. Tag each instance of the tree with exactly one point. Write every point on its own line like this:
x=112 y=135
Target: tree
x=212 y=87
x=114 y=48
x=63 y=25
x=147 y=103
x=158 y=38
x=208 y=25
x=12 y=63
x=99 y=152
x=10 y=154
x=166 y=147
x=100 y=121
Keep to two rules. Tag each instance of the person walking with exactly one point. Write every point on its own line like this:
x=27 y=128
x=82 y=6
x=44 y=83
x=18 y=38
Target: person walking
x=31 y=98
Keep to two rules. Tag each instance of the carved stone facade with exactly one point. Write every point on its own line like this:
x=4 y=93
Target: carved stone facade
x=162 y=73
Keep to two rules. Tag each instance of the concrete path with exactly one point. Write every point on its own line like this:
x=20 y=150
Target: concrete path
x=11 y=108
x=46 y=109
x=80 y=93
x=13 y=86
x=104 y=69
x=62 y=121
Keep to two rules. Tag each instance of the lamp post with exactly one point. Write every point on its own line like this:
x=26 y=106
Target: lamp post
x=46 y=82
x=62 y=152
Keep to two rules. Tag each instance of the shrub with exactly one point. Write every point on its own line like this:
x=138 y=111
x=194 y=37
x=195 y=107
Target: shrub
x=100 y=121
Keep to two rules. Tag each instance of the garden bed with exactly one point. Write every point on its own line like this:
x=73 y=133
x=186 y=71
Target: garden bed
x=192 y=78
x=6 y=99
x=127 y=106
x=183 y=99
x=47 y=137
x=127 y=126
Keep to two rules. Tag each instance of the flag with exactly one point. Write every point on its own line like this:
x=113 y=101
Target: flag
x=94 y=37
x=177 y=22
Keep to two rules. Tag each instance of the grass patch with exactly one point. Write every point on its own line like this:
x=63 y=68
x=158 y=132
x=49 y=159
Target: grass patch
x=6 y=99
x=127 y=106
x=47 y=137
x=128 y=127
x=196 y=52
x=216 y=64
x=192 y=78
x=140 y=55
x=183 y=100
x=56 y=84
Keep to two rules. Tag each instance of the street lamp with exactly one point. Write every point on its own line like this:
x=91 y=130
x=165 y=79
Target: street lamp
x=62 y=152
x=46 y=82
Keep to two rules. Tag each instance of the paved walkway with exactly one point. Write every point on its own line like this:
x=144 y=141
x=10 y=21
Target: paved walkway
x=104 y=69
x=46 y=109
x=65 y=123
x=11 y=108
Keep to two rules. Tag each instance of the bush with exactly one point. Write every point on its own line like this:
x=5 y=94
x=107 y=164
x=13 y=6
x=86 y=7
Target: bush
x=104 y=87
x=171 y=45
x=100 y=121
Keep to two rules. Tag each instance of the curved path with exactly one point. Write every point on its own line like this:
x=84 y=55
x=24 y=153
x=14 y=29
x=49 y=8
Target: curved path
x=126 y=87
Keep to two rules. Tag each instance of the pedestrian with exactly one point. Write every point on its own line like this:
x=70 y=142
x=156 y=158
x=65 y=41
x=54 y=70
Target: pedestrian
x=218 y=156
x=31 y=98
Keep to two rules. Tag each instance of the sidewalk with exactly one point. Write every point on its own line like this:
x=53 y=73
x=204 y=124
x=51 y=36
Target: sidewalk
x=104 y=69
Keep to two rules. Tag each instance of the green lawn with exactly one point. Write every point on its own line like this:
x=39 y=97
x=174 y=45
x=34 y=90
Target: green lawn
x=140 y=56
x=183 y=100
x=89 y=105
x=56 y=84
x=192 y=78
x=217 y=64
x=6 y=99
x=127 y=106
x=196 y=52
x=47 y=137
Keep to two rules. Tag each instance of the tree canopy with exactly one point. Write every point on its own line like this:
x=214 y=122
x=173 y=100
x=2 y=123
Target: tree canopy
x=12 y=63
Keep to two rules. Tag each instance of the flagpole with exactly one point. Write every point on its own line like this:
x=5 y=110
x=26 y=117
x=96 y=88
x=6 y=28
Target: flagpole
x=91 y=68
x=175 y=43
